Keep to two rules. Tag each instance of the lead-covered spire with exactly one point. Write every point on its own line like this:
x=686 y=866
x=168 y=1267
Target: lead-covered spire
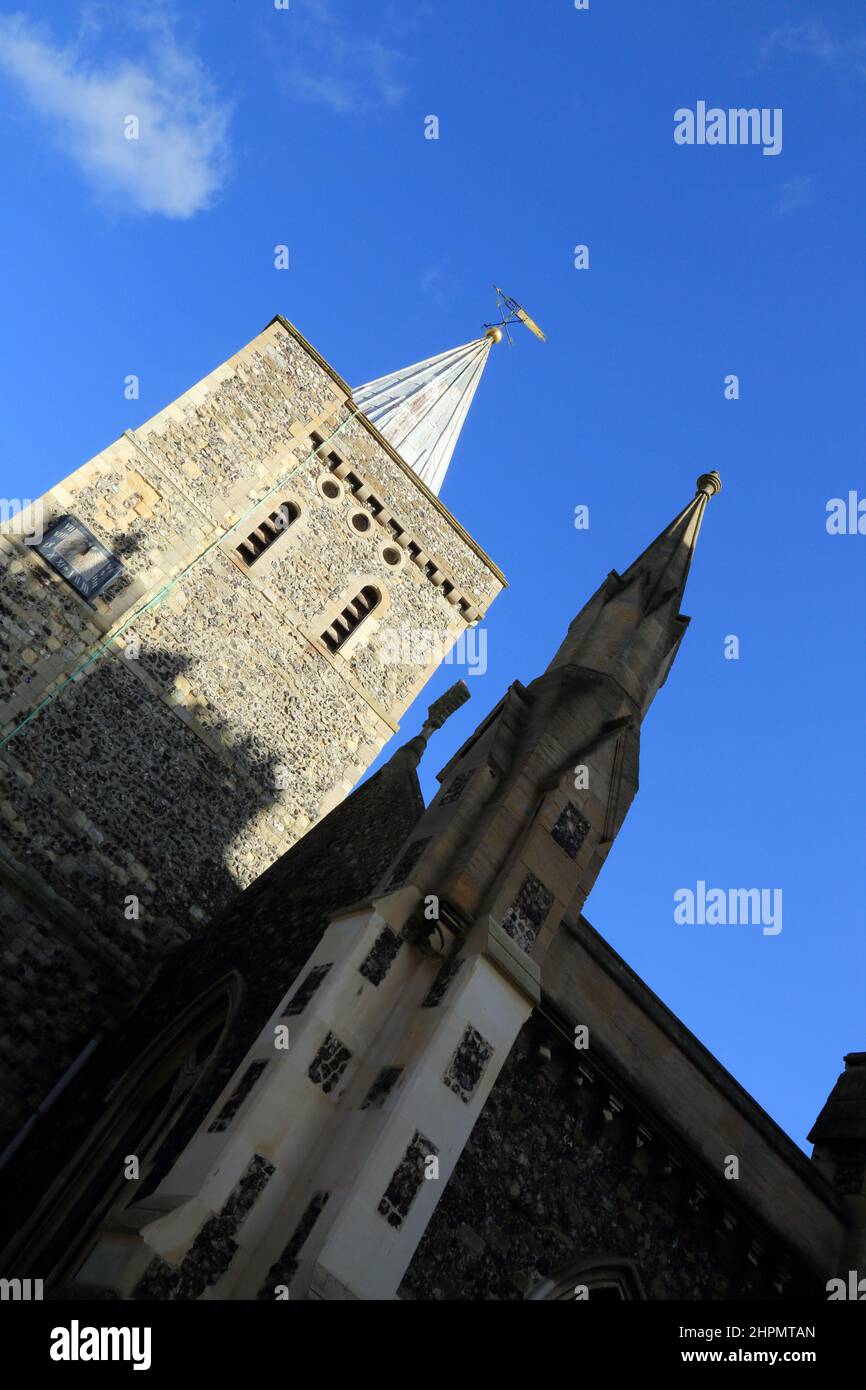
x=420 y=410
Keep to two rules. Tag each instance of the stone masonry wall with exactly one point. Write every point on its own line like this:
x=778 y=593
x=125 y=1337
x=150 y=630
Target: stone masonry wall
x=266 y=936
x=546 y=1182
x=179 y=775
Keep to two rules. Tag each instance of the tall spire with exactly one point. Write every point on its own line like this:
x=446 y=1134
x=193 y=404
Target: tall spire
x=665 y=564
x=632 y=626
x=420 y=410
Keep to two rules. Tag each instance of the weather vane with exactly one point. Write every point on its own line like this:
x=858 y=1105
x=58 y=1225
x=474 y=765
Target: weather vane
x=511 y=312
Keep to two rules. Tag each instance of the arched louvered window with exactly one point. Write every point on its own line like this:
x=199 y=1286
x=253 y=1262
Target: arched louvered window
x=268 y=530
x=351 y=617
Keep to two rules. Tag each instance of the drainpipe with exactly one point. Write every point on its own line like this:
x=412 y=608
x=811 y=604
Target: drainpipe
x=57 y=1090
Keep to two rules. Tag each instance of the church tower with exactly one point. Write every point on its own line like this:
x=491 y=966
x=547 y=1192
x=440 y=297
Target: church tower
x=199 y=631
x=324 y=1152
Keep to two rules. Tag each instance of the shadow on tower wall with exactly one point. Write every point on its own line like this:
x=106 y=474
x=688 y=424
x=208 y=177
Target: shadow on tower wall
x=123 y=841
x=261 y=942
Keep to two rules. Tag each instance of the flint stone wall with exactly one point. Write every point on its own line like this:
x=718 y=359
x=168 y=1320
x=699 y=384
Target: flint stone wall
x=179 y=776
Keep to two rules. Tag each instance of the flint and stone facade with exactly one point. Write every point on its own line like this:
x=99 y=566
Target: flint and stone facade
x=221 y=719
x=402 y=1064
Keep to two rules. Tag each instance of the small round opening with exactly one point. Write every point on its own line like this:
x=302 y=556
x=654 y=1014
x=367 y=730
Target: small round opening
x=361 y=521
x=330 y=488
x=391 y=555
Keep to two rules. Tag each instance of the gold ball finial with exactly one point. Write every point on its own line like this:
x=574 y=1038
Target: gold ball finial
x=494 y=334
x=710 y=483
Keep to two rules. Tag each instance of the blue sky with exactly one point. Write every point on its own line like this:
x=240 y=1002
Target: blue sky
x=306 y=127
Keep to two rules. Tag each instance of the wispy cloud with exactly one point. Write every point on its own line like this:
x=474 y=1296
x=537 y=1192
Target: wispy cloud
x=177 y=164
x=816 y=41
x=339 y=65
x=434 y=284
x=794 y=194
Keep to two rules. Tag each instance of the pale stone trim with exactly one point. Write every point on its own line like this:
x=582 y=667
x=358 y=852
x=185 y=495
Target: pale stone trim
x=259 y=569
x=367 y=627
x=436 y=571
x=384 y=545
x=329 y=478
x=181 y=405
x=167 y=477
x=392 y=453
x=514 y=964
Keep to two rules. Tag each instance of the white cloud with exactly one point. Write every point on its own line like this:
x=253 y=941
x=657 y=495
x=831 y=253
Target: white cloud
x=434 y=284
x=178 y=163
x=337 y=65
x=816 y=41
